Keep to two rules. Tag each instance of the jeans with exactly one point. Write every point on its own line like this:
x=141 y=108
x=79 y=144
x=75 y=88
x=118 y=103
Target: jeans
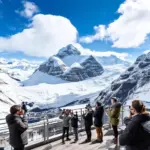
x=65 y=130
x=115 y=129
x=75 y=130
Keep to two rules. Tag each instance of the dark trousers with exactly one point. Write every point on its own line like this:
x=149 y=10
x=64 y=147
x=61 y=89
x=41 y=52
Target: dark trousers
x=21 y=148
x=88 y=132
x=65 y=130
x=75 y=130
x=115 y=129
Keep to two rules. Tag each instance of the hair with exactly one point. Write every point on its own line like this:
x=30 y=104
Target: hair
x=138 y=106
x=114 y=99
x=98 y=103
x=14 y=109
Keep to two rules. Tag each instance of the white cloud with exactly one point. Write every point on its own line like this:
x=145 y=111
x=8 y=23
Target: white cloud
x=147 y=51
x=131 y=28
x=100 y=34
x=30 y=9
x=45 y=36
x=86 y=51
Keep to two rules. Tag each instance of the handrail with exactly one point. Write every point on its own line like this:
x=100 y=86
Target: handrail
x=46 y=129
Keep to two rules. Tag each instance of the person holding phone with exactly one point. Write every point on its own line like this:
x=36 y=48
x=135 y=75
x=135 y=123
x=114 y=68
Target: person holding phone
x=65 y=116
x=17 y=125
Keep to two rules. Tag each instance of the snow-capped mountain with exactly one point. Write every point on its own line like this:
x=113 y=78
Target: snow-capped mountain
x=70 y=65
x=135 y=78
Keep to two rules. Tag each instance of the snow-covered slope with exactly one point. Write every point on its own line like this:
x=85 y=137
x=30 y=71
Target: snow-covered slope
x=142 y=93
x=45 y=86
x=57 y=92
x=135 y=78
x=19 y=69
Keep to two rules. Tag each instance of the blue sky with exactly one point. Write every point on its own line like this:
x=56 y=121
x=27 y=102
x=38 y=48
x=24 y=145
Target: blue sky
x=120 y=26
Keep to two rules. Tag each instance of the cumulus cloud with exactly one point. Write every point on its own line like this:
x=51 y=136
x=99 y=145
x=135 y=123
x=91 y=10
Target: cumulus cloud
x=86 y=51
x=44 y=37
x=100 y=34
x=132 y=27
x=30 y=9
x=147 y=51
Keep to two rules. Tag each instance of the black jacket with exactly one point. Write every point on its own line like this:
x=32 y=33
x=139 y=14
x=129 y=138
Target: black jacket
x=135 y=137
x=98 y=116
x=88 y=119
x=17 y=130
x=74 y=121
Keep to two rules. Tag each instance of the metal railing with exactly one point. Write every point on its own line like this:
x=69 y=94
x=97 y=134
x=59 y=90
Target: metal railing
x=49 y=129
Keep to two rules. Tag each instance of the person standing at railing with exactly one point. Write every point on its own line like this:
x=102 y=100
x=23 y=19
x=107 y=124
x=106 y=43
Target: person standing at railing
x=114 y=114
x=136 y=136
x=88 y=121
x=98 y=122
x=74 y=125
x=65 y=116
x=17 y=125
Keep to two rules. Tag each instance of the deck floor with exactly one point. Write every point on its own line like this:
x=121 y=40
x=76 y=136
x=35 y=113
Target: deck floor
x=106 y=145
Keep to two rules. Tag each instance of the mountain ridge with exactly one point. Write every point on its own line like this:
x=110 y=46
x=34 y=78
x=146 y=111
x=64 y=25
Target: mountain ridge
x=135 y=77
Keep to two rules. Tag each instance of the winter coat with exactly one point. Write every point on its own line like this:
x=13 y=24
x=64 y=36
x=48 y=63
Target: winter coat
x=74 y=121
x=88 y=119
x=66 y=119
x=114 y=113
x=18 y=130
x=98 y=116
x=135 y=137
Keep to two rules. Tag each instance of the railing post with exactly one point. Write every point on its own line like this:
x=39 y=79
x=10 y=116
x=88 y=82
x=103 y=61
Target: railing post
x=122 y=115
x=47 y=128
x=44 y=131
x=81 y=119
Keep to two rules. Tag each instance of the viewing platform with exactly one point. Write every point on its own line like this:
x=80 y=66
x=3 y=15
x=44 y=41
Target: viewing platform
x=46 y=134
x=106 y=145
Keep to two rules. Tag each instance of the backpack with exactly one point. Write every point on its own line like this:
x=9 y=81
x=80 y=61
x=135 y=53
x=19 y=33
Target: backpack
x=146 y=126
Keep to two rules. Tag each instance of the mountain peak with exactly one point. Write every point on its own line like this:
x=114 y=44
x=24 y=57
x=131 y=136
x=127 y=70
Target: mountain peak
x=67 y=51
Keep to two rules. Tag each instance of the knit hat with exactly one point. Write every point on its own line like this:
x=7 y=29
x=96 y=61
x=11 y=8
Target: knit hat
x=98 y=103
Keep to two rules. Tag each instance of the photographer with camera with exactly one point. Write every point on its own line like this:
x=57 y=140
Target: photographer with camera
x=18 y=126
x=65 y=116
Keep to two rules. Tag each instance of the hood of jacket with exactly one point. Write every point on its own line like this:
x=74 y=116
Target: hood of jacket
x=141 y=118
x=116 y=105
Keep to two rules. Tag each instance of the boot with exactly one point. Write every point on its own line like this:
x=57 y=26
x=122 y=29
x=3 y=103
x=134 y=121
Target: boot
x=68 y=139
x=115 y=140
